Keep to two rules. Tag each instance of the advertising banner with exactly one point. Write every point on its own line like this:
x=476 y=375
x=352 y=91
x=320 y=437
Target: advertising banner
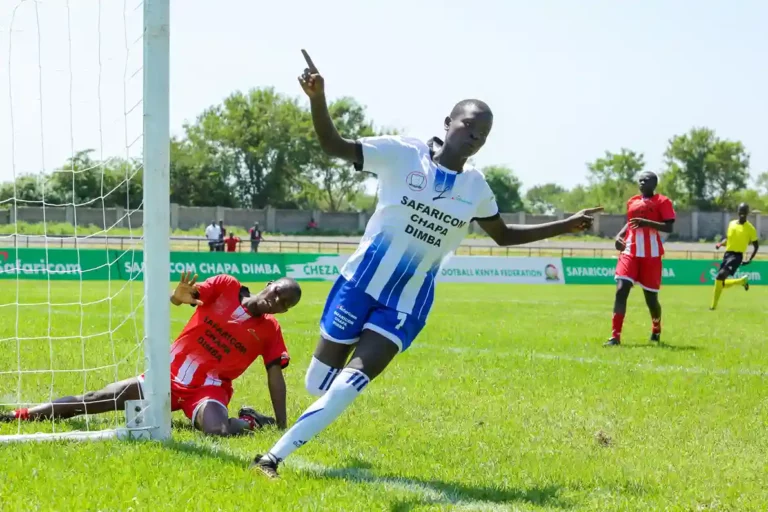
x=687 y=272
x=459 y=269
x=244 y=266
x=97 y=264
x=490 y=269
x=59 y=264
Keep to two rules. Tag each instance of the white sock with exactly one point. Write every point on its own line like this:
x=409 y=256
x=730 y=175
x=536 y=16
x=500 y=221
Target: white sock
x=320 y=414
x=319 y=377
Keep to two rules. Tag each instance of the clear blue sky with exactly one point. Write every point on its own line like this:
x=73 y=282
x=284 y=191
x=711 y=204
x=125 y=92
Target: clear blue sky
x=566 y=80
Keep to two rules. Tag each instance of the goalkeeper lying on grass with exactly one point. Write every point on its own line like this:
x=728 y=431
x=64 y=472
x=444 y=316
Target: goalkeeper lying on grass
x=229 y=329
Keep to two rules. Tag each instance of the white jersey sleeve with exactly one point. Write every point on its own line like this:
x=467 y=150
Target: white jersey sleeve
x=387 y=154
x=487 y=206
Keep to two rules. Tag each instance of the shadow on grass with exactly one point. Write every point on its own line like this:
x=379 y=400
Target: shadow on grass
x=663 y=346
x=201 y=450
x=438 y=492
x=428 y=492
x=680 y=348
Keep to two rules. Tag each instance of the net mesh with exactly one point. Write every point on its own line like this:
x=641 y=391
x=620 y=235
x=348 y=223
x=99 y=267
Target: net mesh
x=70 y=204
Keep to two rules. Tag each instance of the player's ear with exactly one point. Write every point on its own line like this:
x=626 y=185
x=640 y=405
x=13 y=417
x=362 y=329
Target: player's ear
x=447 y=122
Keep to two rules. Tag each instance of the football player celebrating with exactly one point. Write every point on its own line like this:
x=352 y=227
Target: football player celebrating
x=229 y=329
x=741 y=233
x=641 y=247
x=379 y=304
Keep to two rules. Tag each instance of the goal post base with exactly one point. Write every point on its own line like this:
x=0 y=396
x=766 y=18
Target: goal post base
x=137 y=429
x=140 y=434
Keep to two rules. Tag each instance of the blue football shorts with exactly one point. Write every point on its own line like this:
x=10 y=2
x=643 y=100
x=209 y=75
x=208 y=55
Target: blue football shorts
x=349 y=310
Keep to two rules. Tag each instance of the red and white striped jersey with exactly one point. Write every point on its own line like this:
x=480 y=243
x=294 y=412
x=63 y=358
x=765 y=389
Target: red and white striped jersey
x=646 y=242
x=221 y=340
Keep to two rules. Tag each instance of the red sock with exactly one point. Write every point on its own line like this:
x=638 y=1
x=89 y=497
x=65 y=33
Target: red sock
x=618 y=322
x=21 y=414
x=656 y=325
x=250 y=420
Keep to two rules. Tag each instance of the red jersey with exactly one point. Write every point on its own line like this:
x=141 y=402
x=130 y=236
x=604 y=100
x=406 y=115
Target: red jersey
x=231 y=244
x=645 y=242
x=221 y=340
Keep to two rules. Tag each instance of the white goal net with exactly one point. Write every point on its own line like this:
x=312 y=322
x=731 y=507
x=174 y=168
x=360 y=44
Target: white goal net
x=83 y=199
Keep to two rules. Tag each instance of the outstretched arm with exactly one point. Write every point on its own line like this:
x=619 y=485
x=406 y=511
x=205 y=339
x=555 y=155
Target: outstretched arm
x=755 y=248
x=516 y=234
x=186 y=291
x=331 y=142
x=721 y=242
x=620 y=240
x=277 y=393
x=664 y=227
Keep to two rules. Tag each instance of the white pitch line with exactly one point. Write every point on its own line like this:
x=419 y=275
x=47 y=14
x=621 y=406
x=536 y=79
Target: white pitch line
x=523 y=354
x=425 y=492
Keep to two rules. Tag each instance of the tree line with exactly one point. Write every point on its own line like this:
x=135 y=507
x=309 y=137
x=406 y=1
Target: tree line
x=258 y=149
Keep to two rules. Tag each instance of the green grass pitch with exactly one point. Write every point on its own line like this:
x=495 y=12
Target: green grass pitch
x=507 y=401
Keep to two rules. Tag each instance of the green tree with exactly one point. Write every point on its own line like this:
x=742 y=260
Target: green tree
x=200 y=176
x=706 y=170
x=338 y=182
x=506 y=187
x=78 y=181
x=575 y=199
x=613 y=178
x=762 y=183
x=728 y=167
x=545 y=198
x=623 y=166
x=260 y=142
x=26 y=188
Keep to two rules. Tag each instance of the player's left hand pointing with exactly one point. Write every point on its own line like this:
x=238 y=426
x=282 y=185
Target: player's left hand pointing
x=186 y=291
x=582 y=220
x=311 y=80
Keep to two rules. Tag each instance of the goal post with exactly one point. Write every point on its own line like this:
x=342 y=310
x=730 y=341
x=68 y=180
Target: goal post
x=84 y=154
x=157 y=257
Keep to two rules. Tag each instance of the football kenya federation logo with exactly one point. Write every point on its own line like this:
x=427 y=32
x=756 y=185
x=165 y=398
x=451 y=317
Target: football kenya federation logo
x=416 y=181
x=551 y=273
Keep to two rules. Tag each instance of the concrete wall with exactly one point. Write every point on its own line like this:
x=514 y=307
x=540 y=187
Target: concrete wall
x=689 y=225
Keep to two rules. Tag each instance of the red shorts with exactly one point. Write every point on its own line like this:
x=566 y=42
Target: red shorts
x=189 y=399
x=644 y=271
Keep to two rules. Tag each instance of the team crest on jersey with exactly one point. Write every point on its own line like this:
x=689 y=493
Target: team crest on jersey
x=240 y=315
x=416 y=181
x=443 y=183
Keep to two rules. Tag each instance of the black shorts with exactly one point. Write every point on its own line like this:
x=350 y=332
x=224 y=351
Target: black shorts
x=731 y=262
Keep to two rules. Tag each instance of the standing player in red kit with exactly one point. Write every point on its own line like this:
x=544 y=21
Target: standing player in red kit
x=229 y=329
x=648 y=214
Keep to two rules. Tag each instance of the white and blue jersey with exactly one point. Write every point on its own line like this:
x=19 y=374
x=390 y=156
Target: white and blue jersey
x=423 y=214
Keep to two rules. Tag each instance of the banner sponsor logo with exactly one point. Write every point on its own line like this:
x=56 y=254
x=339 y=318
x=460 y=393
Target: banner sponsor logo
x=325 y=268
x=685 y=272
x=709 y=275
x=489 y=269
x=111 y=264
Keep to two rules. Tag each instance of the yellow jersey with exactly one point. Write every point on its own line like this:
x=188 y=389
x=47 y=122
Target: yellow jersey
x=740 y=236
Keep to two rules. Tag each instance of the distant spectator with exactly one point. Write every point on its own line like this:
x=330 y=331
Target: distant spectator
x=232 y=242
x=222 y=234
x=255 y=237
x=213 y=234
x=312 y=224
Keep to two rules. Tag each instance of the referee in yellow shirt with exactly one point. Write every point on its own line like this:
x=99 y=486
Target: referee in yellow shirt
x=741 y=233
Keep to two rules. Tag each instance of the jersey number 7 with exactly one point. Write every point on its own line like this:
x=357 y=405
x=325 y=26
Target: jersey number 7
x=401 y=317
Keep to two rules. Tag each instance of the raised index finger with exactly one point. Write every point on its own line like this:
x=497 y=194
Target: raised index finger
x=310 y=64
x=596 y=209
